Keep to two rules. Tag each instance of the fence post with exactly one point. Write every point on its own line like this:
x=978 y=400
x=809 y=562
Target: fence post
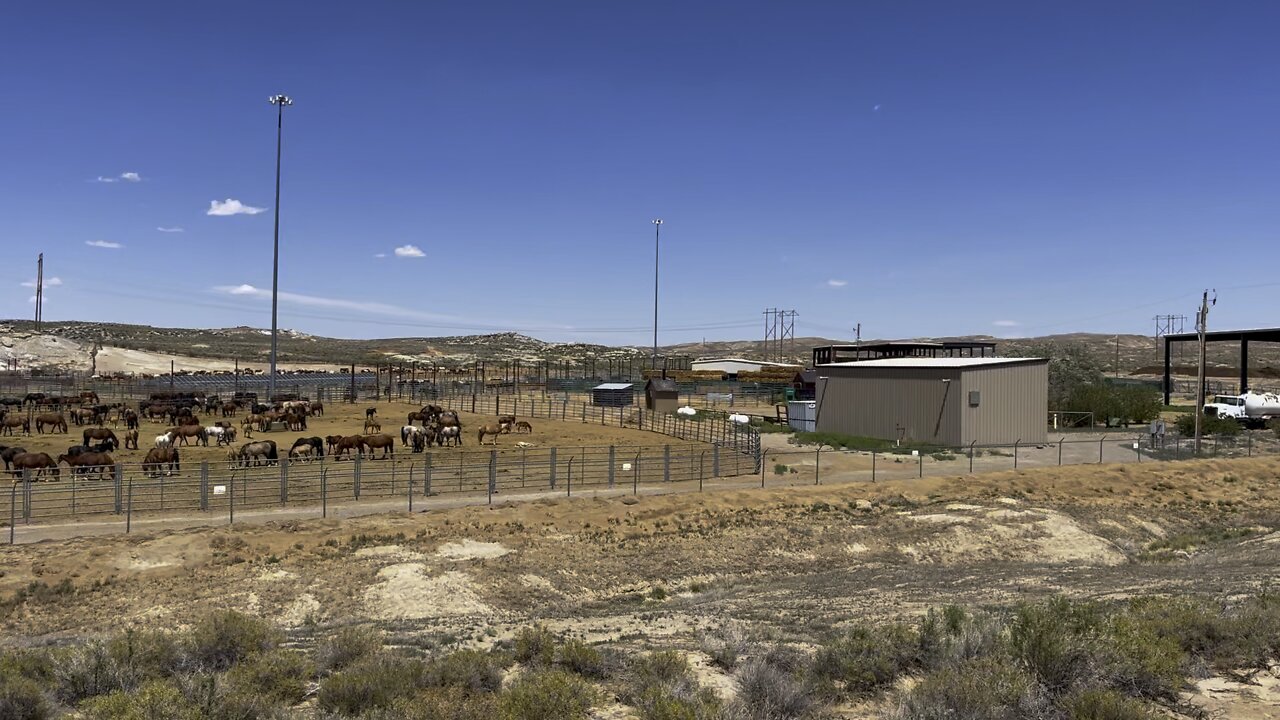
x=204 y=486
x=1137 y=450
x=284 y=481
x=1061 y=442
x=715 y=461
x=119 y=477
x=231 y=497
x=702 y=457
x=920 y=461
x=26 y=495
x=493 y=474
x=1100 y=441
x=584 y=412
x=568 y=482
x=410 y=486
x=1249 y=442
x=873 y=466
x=666 y=463
x=817 y=465
x=553 y=468
x=128 y=517
x=324 y=492
x=635 y=475
x=1016 y=443
x=426 y=476
x=975 y=442
x=13 y=510
x=355 y=475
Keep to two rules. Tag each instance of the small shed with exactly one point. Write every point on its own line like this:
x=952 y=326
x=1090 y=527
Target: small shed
x=613 y=394
x=661 y=395
x=805 y=385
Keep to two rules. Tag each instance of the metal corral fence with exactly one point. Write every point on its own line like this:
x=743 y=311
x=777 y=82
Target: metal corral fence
x=206 y=487
x=814 y=464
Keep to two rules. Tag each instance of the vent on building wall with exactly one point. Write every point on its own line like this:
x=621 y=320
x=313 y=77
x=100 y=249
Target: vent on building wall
x=975 y=398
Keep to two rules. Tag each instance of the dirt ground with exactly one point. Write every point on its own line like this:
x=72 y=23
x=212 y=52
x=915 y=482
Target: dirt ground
x=348 y=419
x=791 y=564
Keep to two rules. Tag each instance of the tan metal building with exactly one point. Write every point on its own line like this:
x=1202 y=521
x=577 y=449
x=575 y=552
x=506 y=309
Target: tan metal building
x=944 y=401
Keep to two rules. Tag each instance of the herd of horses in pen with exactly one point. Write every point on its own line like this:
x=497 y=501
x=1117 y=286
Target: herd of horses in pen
x=180 y=412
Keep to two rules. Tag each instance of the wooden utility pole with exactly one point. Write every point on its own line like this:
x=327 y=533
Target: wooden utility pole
x=1202 y=321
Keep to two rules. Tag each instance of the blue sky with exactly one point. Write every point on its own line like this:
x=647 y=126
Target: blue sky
x=924 y=168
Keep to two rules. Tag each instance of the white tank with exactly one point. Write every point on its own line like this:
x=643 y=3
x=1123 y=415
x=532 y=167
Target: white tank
x=1261 y=404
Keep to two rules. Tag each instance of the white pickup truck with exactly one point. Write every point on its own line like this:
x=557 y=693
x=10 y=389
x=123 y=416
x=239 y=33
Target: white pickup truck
x=1250 y=409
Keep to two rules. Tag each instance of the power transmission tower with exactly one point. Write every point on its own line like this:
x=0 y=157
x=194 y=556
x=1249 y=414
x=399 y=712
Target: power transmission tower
x=1202 y=323
x=1169 y=325
x=779 y=333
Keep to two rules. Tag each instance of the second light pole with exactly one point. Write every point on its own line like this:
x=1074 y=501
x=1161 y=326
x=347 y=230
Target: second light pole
x=657 y=231
x=280 y=101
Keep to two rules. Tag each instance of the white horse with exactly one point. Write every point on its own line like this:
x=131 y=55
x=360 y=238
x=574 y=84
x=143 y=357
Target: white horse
x=450 y=435
x=302 y=453
x=409 y=432
x=165 y=440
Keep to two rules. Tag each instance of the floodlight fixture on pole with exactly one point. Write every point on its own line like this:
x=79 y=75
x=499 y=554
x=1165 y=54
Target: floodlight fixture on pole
x=280 y=101
x=657 y=230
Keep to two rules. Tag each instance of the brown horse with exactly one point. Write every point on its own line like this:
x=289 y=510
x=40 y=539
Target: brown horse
x=158 y=457
x=131 y=420
x=506 y=419
x=9 y=453
x=55 y=421
x=493 y=430
x=372 y=426
x=522 y=426
x=347 y=443
x=184 y=420
x=417 y=416
x=130 y=439
x=39 y=462
x=88 y=462
x=91 y=434
x=381 y=441
x=262 y=451
x=316 y=409
x=191 y=431
x=9 y=423
x=229 y=409
x=296 y=421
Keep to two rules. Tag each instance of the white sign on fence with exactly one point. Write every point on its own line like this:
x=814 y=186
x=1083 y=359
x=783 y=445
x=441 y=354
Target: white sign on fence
x=219 y=489
x=626 y=466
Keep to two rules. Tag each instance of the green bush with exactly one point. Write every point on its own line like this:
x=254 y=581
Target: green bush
x=535 y=646
x=22 y=698
x=375 y=682
x=725 y=645
x=579 y=657
x=1209 y=425
x=225 y=638
x=346 y=646
x=1056 y=642
x=471 y=670
x=547 y=695
x=280 y=676
x=780 y=469
x=661 y=686
x=1105 y=705
x=867 y=659
x=440 y=704
x=985 y=689
x=155 y=700
x=768 y=692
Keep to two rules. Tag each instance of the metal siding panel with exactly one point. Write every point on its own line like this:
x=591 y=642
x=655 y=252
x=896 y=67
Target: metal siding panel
x=877 y=403
x=1013 y=405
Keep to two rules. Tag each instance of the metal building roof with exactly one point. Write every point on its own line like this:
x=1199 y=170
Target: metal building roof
x=928 y=362
x=614 y=386
x=663 y=385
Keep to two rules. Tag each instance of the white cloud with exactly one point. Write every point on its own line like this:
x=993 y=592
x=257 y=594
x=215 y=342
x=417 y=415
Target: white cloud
x=48 y=282
x=1006 y=323
x=103 y=244
x=837 y=283
x=170 y=229
x=409 y=251
x=232 y=207
x=126 y=176
x=373 y=308
x=380 y=255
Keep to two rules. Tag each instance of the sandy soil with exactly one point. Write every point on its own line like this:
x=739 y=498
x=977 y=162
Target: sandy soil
x=790 y=563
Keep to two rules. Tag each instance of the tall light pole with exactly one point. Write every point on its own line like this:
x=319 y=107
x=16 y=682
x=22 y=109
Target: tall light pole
x=657 y=231
x=280 y=101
